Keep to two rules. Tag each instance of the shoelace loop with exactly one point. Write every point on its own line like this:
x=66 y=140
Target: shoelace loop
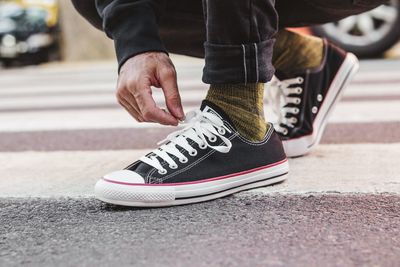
x=280 y=94
x=203 y=128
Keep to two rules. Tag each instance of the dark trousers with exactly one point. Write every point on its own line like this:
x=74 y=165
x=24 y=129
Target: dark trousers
x=239 y=40
x=236 y=37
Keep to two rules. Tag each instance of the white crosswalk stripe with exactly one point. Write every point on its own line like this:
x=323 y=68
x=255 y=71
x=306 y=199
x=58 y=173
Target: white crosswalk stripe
x=99 y=118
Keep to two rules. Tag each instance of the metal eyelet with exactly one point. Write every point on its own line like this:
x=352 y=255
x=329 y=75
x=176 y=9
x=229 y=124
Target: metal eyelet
x=319 y=98
x=296 y=111
x=203 y=146
x=221 y=131
x=300 y=80
x=193 y=153
x=183 y=160
x=298 y=100
x=213 y=139
x=314 y=110
x=299 y=90
x=294 y=120
x=163 y=171
x=173 y=167
x=285 y=131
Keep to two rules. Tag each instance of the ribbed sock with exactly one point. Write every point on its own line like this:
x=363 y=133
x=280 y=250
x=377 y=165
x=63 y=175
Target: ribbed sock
x=243 y=103
x=294 y=52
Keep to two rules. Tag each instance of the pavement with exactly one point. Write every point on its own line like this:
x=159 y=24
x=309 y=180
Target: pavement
x=61 y=129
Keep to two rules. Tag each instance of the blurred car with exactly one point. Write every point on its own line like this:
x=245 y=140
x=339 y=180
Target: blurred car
x=367 y=35
x=28 y=31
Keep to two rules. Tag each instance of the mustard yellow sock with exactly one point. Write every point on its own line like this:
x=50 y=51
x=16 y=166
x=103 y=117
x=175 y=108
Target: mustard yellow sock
x=295 y=52
x=243 y=103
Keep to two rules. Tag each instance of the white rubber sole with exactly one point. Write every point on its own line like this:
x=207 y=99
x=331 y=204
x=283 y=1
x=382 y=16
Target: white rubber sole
x=303 y=145
x=154 y=195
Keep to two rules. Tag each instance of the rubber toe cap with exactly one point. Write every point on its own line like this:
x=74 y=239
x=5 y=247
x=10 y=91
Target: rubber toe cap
x=124 y=176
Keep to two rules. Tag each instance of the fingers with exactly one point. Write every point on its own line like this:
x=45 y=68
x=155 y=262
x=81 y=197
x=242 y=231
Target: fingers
x=136 y=77
x=168 y=83
x=131 y=101
x=130 y=105
x=138 y=101
x=149 y=109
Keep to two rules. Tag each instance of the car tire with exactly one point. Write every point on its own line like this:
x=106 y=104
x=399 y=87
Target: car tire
x=373 y=49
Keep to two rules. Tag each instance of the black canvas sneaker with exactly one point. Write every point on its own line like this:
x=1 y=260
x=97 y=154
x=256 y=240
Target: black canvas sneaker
x=208 y=159
x=303 y=102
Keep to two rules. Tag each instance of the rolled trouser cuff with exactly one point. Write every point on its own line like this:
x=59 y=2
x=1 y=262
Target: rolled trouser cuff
x=245 y=63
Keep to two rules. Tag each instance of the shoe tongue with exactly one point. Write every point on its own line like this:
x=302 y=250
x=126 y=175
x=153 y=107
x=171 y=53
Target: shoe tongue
x=281 y=75
x=208 y=106
x=284 y=76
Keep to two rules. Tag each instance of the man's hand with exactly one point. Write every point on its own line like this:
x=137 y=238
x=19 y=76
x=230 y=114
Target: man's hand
x=136 y=77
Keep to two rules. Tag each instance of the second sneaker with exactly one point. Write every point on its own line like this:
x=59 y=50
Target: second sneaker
x=304 y=102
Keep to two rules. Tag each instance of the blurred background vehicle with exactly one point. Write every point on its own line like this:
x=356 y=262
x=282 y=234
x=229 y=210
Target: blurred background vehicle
x=29 y=32
x=367 y=35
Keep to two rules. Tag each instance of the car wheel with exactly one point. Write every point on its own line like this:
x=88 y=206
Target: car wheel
x=367 y=35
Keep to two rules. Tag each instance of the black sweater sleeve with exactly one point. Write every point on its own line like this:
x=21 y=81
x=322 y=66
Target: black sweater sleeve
x=133 y=25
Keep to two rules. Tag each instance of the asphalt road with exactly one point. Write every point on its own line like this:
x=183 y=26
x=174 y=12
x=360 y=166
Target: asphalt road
x=242 y=230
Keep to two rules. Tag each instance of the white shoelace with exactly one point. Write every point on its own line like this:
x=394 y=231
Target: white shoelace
x=278 y=97
x=202 y=128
